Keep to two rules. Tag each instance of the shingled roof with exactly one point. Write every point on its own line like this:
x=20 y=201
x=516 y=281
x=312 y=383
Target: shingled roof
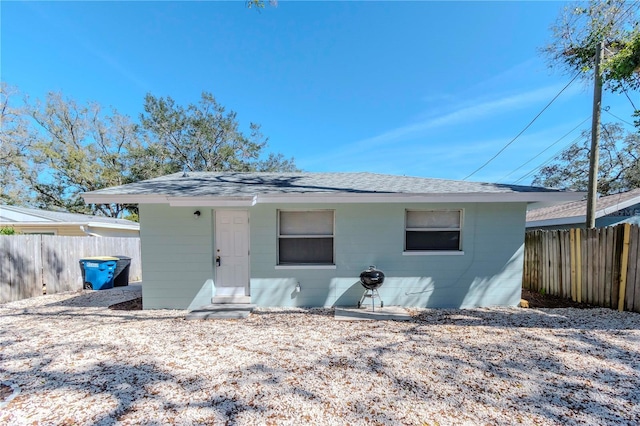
x=301 y=185
x=16 y=214
x=578 y=209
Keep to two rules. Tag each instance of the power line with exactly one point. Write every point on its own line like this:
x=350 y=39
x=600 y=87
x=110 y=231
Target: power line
x=523 y=130
x=544 y=150
x=548 y=160
x=627 y=95
x=615 y=116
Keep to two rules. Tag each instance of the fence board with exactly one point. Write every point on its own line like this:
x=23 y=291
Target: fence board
x=29 y=262
x=594 y=254
x=615 y=285
x=574 y=276
x=636 y=286
x=565 y=265
x=579 y=264
x=607 y=271
x=632 y=271
x=554 y=263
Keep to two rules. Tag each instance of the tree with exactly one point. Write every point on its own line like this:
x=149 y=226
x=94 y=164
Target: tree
x=619 y=163
x=581 y=26
x=54 y=149
x=623 y=69
x=78 y=148
x=260 y=4
x=7 y=230
x=201 y=137
x=15 y=140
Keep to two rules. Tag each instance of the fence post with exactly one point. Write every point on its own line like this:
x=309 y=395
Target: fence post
x=623 y=266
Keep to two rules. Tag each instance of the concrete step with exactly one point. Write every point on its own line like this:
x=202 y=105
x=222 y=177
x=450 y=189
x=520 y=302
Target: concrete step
x=234 y=300
x=221 y=311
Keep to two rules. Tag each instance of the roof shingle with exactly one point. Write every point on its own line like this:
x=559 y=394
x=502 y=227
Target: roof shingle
x=198 y=184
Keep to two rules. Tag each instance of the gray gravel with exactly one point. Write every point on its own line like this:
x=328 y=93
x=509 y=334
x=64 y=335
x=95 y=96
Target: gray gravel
x=77 y=362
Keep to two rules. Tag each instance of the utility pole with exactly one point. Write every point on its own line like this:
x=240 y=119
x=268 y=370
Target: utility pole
x=594 y=156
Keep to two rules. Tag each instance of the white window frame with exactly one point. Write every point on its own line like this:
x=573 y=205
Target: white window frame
x=446 y=252
x=307 y=265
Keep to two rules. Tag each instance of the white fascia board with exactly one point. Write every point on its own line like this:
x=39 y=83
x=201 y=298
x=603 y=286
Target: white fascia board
x=124 y=199
x=556 y=222
x=623 y=205
x=247 y=201
x=557 y=197
x=135 y=227
x=341 y=198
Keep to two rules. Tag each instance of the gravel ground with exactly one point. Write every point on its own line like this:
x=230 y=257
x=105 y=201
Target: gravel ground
x=77 y=362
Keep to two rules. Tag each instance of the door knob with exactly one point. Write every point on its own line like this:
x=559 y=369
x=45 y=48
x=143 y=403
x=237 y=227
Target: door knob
x=218 y=260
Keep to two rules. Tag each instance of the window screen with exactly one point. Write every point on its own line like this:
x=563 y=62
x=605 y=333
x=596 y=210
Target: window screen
x=305 y=237
x=433 y=230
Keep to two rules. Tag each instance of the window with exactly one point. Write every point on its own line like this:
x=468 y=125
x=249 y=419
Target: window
x=305 y=237
x=433 y=230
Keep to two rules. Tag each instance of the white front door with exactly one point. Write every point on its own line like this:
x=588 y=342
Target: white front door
x=231 y=253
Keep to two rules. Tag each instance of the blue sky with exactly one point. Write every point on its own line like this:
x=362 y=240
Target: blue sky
x=430 y=89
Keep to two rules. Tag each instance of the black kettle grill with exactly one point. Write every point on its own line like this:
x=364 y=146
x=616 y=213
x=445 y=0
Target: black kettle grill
x=371 y=279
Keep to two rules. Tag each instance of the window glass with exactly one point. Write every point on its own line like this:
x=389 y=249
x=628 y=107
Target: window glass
x=306 y=250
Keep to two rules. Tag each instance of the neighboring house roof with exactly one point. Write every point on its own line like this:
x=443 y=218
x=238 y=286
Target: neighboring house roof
x=23 y=215
x=576 y=211
x=214 y=188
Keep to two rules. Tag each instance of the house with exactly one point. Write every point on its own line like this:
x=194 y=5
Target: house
x=610 y=210
x=302 y=239
x=35 y=221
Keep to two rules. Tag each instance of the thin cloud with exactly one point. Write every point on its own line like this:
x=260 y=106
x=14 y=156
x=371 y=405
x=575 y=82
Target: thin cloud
x=466 y=114
x=472 y=111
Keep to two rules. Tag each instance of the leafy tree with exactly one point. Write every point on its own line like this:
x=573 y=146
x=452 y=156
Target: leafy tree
x=583 y=25
x=619 y=163
x=200 y=137
x=7 y=230
x=54 y=149
x=260 y=4
x=15 y=140
x=78 y=148
x=623 y=69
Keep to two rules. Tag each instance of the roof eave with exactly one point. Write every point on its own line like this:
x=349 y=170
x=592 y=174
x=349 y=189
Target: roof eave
x=100 y=198
x=555 y=222
x=122 y=226
x=135 y=227
x=622 y=205
x=250 y=200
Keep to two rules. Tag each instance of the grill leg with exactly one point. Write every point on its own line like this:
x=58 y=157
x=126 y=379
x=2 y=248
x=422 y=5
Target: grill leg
x=373 y=294
x=373 y=299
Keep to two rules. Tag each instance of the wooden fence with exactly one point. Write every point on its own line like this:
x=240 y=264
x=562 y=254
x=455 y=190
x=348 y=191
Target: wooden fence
x=31 y=263
x=596 y=266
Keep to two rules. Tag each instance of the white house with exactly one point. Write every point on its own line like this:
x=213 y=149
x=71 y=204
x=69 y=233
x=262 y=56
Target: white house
x=302 y=239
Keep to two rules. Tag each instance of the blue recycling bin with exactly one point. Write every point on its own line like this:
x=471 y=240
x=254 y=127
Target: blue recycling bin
x=98 y=272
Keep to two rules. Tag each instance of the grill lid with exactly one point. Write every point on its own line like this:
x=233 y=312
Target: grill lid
x=371 y=278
